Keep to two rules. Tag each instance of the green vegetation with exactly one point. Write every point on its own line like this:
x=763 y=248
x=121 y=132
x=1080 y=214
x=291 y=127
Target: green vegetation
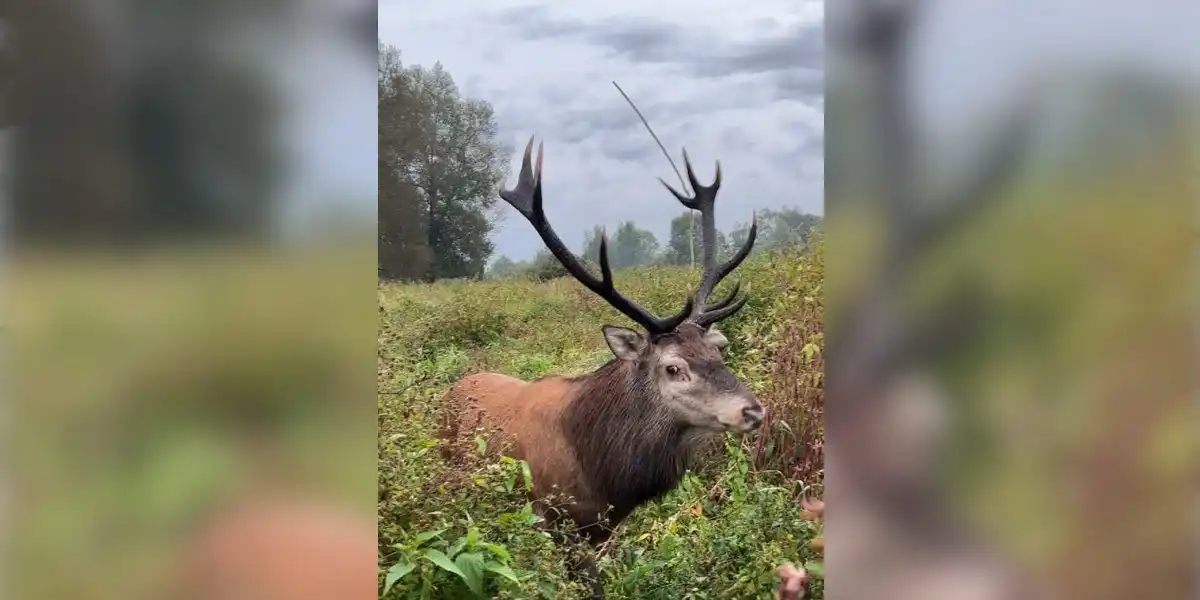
x=468 y=532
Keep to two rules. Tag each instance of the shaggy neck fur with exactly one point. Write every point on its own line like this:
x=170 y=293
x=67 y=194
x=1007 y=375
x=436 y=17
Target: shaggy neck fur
x=630 y=447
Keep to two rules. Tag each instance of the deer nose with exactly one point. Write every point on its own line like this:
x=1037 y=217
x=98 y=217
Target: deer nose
x=753 y=416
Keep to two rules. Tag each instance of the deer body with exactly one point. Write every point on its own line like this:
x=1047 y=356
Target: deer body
x=605 y=439
x=622 y=435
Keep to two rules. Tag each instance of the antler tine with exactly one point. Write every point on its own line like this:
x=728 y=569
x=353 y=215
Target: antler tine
x=708 y=315
x=707 y=318
x=724 y=270
x=687 y=201
x=691 y=173
x=526 y=197
x=704 y=194
x=704 y=201
x=711 y=308
x=522 y=197
x=729 y=298
x=605 y=268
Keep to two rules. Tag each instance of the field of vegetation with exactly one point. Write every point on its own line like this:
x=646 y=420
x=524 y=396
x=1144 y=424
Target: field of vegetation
x=455 y=533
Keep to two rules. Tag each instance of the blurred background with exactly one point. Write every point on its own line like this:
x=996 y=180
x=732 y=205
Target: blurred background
x=190 y=211
x=1011 y=213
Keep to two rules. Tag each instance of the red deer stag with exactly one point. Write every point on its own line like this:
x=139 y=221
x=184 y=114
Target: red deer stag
x=622 y=435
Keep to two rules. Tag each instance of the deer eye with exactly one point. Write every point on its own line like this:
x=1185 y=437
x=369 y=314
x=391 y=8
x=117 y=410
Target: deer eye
x=672 y=370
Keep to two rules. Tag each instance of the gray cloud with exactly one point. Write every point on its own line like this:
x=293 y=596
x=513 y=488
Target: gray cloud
x=800 y=47
x=711 y=77
x=800 y=83
x=796 y=54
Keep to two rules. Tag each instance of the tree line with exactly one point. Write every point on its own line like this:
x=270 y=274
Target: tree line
x=632 y=246
x=440 y=164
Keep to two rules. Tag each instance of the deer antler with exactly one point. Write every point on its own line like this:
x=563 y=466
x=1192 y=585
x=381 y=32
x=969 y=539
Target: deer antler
x=703 y=201
x=526 y=197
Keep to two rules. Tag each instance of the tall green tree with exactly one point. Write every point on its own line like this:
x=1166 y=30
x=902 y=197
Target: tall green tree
x=404 y=123
x=440 y=165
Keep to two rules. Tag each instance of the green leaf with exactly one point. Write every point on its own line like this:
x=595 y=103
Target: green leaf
x=396 y=573
x=499 y=551
x=502 y=570
x=528 y=475
x=425 y=536
x=815 y=568
x=481 y=444
x=472 y=537
x=443 y=562
x=470 y=564
x=456 y=547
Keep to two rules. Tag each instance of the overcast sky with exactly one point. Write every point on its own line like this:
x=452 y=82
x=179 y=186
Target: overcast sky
x=737 y=82
x=741 y=83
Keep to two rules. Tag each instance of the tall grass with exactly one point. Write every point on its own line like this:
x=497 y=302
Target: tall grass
x=468 y=531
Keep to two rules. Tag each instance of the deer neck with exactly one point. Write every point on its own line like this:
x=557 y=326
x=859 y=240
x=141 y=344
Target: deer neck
x=628 y=445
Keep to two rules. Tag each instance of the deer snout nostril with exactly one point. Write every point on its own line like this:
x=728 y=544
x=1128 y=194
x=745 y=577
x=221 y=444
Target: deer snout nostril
x=753 y=414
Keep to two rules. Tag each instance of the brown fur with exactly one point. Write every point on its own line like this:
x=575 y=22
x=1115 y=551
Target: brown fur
x=520 y=419
x=603 y=438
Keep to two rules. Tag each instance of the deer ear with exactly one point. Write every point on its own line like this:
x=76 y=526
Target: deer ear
x=716 y=338
x=626 y=344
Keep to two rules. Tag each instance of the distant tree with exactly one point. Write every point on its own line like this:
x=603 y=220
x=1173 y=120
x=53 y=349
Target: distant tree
x=632 y=247
x=680 y=246
x=789 y=227
x=504 y=267
x=777 y=229
x=440 y=165
x=544 y=267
